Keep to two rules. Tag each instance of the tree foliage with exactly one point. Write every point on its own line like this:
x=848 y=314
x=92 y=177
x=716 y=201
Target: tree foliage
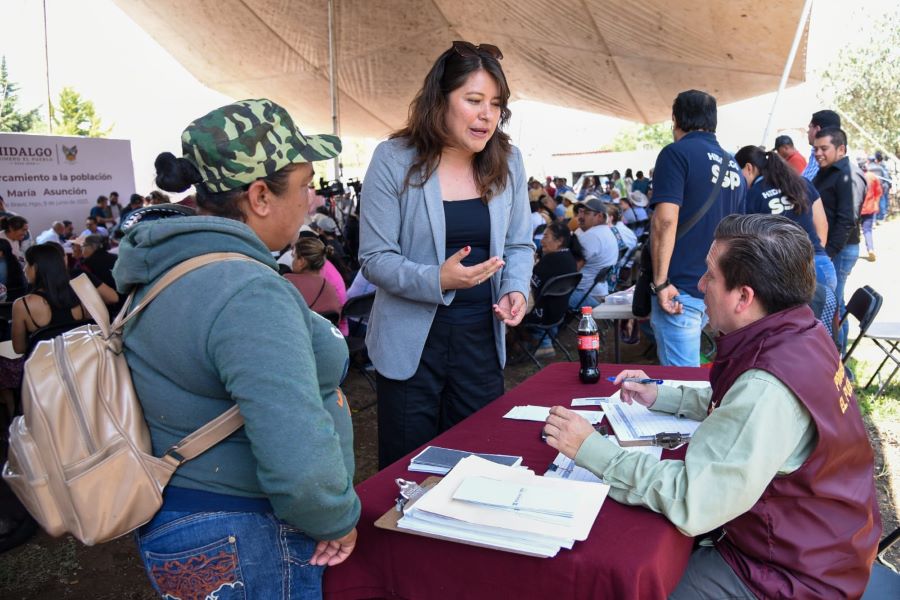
x=11 y=118
x=642 y=137
x=863 y=83
x=76 y=116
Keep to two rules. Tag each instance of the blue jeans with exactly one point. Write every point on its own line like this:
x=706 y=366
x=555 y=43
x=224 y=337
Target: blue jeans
x=825 y=273
x=546 y=342
x=227 y=555
x=678 y=336
x=883 y=204
x=867 y=222
x=843 y=264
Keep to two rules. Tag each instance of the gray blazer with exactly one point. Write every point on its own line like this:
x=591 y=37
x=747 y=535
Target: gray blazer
x=402 y=244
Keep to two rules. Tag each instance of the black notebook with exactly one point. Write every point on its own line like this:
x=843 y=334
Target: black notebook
x=434 y=459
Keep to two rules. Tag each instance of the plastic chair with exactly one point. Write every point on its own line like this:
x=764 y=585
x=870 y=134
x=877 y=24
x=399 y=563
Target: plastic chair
x=560 y=286
x=864 y=305
x=358 y=309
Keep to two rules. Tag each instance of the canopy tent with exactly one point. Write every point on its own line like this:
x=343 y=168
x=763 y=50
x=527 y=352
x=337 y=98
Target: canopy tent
x=615 y=57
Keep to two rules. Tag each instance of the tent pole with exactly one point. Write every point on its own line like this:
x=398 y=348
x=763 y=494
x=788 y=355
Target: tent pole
x=333 y=84
x=47 y=66
x=804 y=16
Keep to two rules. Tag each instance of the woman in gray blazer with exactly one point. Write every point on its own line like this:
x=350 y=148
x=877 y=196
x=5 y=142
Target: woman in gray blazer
x=445 y=235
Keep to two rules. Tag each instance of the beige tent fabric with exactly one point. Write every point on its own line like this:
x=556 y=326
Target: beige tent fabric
x=623 y=58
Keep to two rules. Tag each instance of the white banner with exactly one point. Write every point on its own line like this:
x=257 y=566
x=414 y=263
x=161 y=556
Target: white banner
x=48 y=178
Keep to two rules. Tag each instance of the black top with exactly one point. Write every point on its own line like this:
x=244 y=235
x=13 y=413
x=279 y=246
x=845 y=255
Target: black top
x=835 y=186
x=549 y=310
x=58 y=315
x=468 y=223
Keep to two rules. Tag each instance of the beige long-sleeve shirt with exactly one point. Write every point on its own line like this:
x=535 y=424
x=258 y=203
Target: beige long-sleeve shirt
x=759 y=431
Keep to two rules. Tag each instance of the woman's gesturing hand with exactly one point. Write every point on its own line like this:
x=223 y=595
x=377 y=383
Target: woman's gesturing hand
x=456 y=276
x=510 y=308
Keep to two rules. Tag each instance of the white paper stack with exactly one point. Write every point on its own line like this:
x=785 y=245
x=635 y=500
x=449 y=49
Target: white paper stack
x=480 y=503
x=634 y=423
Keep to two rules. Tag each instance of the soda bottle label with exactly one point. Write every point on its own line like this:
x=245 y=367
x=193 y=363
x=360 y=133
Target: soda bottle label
x=589 y=342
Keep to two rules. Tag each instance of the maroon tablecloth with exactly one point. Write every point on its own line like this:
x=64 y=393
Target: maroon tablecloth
x=631 y=553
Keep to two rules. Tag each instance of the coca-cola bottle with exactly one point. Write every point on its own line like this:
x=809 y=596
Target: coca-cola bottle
x=588 y=347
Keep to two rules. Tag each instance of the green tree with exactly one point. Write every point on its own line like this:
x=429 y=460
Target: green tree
x=862 y=84
x=76 y=116
x=642 y=137
x=11 y=118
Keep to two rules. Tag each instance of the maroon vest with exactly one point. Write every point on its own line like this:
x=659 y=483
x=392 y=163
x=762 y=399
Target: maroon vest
x=814 y=532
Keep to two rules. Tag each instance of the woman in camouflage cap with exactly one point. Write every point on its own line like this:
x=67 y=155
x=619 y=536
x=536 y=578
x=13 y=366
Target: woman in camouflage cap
x=445 y=234
x=261 y=514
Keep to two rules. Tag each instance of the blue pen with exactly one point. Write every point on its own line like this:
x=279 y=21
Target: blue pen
x=637 y=380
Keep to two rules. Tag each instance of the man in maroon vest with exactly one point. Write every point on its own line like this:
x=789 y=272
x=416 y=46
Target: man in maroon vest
x=781 y=467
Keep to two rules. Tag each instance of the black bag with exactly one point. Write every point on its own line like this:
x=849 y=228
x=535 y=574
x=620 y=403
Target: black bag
x=640 y=304
x=643 y=298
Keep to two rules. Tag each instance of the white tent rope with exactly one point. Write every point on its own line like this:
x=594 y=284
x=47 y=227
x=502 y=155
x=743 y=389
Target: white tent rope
x=871 y=138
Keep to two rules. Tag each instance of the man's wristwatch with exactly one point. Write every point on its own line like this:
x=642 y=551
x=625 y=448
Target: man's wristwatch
x=654 y=289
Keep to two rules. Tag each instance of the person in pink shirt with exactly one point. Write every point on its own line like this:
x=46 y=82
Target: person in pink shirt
x=330 y=274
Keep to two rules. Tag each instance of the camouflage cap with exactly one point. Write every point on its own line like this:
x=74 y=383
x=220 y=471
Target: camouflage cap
x=237 y=144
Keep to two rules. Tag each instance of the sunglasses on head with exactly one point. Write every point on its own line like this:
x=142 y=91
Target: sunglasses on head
x=468 y=50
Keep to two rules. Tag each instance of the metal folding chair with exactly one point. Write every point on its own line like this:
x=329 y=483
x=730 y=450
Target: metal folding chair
x=576 y=313
x=864 y=306
x=886 y=336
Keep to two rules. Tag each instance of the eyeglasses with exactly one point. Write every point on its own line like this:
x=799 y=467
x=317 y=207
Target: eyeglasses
x=468 y=50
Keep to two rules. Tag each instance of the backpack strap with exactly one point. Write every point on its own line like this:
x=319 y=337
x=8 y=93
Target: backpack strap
x=92 y=302
x=205 y=438
x=229 y=421
x=219 y=428
x=173 y=275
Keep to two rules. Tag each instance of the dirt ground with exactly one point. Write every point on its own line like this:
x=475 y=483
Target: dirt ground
x=63 y=568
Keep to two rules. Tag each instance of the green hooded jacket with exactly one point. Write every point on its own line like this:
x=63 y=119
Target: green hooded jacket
x=239 y=332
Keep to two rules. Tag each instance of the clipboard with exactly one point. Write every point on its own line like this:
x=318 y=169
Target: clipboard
x=628 y=435
x=669 y=441
x=388 y=522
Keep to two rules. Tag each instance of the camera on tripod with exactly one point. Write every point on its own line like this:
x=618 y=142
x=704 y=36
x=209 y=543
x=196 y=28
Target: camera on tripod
x=329 y=189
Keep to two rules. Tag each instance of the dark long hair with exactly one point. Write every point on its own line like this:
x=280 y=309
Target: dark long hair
x=50 y=274
x=776 y=173
x=427 y=133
